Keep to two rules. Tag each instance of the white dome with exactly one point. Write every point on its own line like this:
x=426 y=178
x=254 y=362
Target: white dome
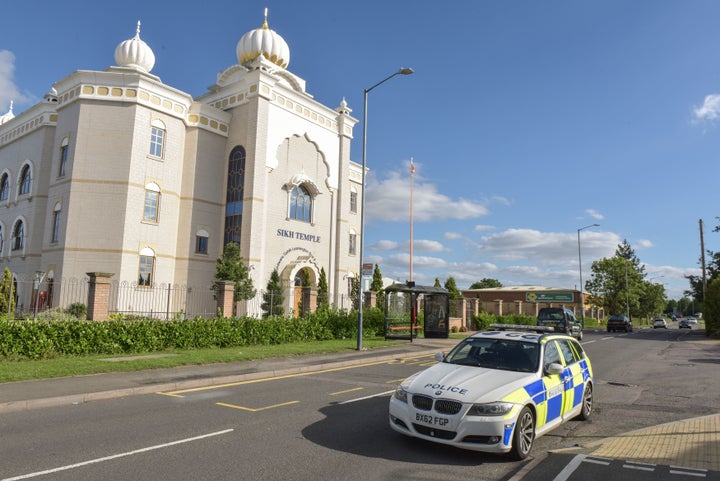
x=135 y=53
x=263 y=41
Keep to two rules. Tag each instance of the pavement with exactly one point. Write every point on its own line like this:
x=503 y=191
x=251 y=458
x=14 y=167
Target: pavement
x=693 y=442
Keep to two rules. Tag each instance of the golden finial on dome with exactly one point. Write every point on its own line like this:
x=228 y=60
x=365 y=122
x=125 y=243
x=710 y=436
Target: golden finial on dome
x=265 y=24
x=137 y=30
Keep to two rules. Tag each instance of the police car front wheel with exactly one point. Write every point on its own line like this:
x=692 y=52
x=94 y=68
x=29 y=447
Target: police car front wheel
x=587 y=403
x=524 y=434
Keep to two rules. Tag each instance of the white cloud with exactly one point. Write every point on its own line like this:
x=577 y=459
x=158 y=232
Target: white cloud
x=594 y=214
x=453 y=236
x=710 y=109
x=419 y=245
x=548 y=247
x=8 y=89
x=389 y=200
x=483 y=228
x=643 y=244
x=384 y=245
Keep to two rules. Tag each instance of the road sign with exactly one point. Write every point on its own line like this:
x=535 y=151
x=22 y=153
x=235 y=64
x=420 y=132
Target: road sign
x=367 y=270
x=549 y=296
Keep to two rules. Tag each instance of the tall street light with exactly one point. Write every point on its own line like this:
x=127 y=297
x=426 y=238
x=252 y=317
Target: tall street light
x=402 y=71
x=582 y=296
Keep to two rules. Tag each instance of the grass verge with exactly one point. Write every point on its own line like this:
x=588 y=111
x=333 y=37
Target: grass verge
x=23 y=370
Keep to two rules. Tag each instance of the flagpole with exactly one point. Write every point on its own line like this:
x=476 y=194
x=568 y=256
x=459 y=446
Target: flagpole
x=412 y=186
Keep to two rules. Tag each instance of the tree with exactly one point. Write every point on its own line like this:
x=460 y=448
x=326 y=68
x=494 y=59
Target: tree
x=354 y=292
x=711 y=312
x=652 y=299
x=453 y=295
x=230 y=267
x=273 y=297
x=486 y=283
x=377 y=286
x=323 y=300
x=615 y=285
x=6 y=294
x=437 y=283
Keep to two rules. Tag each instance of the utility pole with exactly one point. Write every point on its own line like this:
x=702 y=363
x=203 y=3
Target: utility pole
x=702 y=259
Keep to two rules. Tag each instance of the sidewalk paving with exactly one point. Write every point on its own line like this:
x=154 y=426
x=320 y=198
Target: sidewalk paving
x=691 y=442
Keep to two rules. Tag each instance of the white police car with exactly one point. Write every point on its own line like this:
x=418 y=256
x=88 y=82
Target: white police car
x=497 y=391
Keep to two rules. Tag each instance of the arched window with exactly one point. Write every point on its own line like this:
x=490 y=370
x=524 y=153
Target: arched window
x=25 y=180
x=152 y=202
x=57 y=217
x=201 y=242
x=4 y=187
x=18 y=240
x=353 y=200
x=63 y=156
x=157 y=138
x=146 y=269
x=234 y=196
x=300 y=204
x=352 y=247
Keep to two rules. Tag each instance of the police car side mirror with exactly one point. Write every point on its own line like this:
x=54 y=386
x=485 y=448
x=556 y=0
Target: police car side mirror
x=439 y=356
x=554 y=368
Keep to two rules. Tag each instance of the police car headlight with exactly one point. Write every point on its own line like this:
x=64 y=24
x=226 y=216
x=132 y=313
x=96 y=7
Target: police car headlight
x=401 y=395
x=491 y=409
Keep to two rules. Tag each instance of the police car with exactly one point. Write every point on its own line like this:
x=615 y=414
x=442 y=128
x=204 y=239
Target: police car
x=497 y=391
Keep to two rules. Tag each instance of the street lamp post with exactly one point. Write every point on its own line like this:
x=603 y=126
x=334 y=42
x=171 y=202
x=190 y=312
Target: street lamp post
x=582 y=296
x=401 y=71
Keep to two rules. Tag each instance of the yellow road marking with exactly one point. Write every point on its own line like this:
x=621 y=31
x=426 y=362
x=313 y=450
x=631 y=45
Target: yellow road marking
x=347 y=391
x=265 y=379
x=254 y=410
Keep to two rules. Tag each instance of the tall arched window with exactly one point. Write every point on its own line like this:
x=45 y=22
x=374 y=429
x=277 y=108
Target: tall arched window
x=157 y=138
x=63 y=156
x=18 y=241
x=152 y=202
x=4 y=187
x=57 y=217
x=25 y=180
x=234 y=196
x=300 y=204
x=146 y=269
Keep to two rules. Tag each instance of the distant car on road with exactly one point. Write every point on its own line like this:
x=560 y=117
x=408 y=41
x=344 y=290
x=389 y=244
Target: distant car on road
x=657 y=323
x=562 y=320
x=619 y=323
x=692 y=320
x=685 y=324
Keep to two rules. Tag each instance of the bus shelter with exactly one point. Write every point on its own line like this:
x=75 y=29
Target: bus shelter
x=410 y=308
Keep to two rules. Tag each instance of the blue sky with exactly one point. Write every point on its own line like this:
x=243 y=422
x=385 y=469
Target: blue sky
x=526 y=120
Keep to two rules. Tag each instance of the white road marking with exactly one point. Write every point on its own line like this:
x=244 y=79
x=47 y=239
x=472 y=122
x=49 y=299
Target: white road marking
x=361 y=398
x=115 y=456
x=570 y=468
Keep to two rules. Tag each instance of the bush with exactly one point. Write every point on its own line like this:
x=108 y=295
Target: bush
x=78 y=310
x=483 y=320
x=122 y=334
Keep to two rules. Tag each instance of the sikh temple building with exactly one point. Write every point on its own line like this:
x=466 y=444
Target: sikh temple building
x=120 y=173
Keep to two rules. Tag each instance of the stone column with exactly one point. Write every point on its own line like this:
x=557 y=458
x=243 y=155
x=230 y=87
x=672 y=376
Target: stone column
x=499 y=305
x=225 y=294
x=98 y=296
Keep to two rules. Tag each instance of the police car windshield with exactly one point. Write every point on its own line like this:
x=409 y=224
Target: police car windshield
x=505 y=354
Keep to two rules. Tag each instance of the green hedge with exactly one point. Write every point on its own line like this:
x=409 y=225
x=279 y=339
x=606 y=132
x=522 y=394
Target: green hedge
x=483 y=320
x=38 y=339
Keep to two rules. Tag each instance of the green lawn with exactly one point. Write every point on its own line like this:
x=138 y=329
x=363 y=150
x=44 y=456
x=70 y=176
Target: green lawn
x=22 y=370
